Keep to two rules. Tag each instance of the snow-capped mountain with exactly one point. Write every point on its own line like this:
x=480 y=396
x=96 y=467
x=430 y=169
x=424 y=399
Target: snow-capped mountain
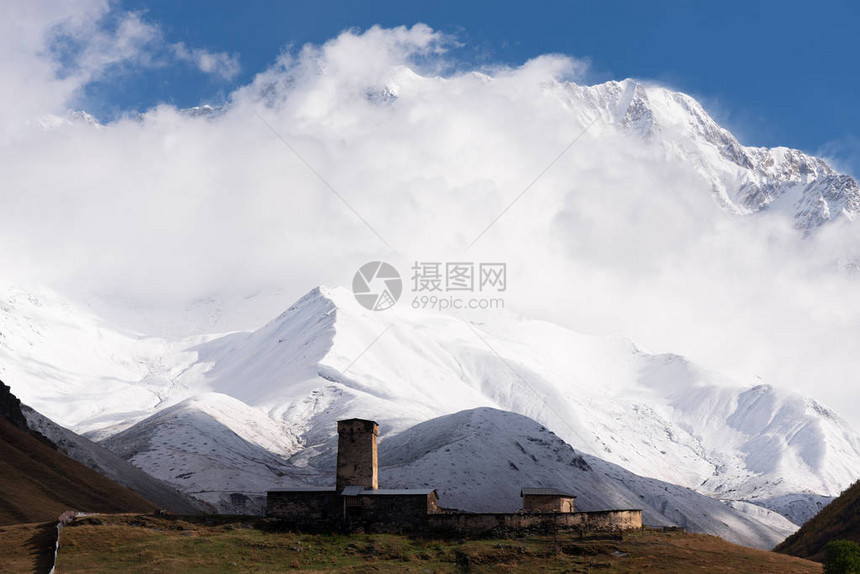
x=590 y=390
x=260 y=407
x=76 y=369
x=744 y=179
x=476 y=459
x=479 y=459
x=215 y=448
x=112 y=466
x=658 y=416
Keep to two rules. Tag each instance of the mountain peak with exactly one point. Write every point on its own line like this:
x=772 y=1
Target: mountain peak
x=322 y=298
x=744 y=179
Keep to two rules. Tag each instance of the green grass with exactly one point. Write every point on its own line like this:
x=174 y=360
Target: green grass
x=148 y=544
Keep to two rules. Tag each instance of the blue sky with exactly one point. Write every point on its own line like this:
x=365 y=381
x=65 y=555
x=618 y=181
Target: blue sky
x=775 y=73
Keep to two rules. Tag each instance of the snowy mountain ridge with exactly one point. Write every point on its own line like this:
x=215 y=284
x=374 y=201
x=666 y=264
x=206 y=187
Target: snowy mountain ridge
x=479 y=459
x=262 y=406
x=658 y=416
x=72 y=367
x=744 y=179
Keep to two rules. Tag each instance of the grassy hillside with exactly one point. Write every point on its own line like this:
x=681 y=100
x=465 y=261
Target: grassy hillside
x=151 y=544
x=838 y=520
x=38 y=483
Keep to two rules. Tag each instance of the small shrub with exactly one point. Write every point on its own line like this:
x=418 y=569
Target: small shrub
x=842 y=557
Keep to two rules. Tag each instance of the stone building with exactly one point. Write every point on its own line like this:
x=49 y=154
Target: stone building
x=356 y=502
x=546 y=500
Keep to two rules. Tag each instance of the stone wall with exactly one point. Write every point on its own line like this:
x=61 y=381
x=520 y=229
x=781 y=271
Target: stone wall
x=326 y=511
x=306 y=510
x=502 y=523
x=547 y=503
x=609 y=520
x=399 y=513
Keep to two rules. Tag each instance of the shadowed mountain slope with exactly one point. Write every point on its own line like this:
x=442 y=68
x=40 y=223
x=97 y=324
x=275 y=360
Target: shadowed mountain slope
x=839 y=520
x=38 y=483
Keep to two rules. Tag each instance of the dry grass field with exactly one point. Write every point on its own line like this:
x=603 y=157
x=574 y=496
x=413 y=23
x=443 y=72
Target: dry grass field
x=145 y=543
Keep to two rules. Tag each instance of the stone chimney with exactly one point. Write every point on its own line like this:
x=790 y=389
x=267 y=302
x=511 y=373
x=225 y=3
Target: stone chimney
x=357 y=459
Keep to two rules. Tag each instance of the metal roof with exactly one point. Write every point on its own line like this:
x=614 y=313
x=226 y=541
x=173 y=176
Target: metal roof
x=361 y=491
x=400 y=492
x=540 y=491
x=306 y=489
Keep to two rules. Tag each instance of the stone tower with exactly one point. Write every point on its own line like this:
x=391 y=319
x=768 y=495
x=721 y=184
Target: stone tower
x=357 y=459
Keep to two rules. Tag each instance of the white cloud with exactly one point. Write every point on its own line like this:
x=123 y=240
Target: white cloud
x=615 y=238
x=98 y=46
x=31 y=84
x=221 y=64
x=52 y=49
x=843 y=153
